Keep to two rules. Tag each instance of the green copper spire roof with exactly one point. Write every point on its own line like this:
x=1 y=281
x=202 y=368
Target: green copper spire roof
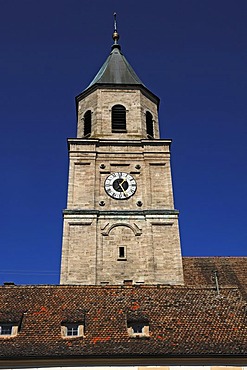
x=116 y=69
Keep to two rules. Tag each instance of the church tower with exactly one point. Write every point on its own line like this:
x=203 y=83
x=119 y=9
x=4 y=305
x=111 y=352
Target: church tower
x=120 y=225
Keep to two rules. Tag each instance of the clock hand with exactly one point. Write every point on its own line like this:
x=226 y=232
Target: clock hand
x=119 y=188
x=122 y=187
x=122 y=182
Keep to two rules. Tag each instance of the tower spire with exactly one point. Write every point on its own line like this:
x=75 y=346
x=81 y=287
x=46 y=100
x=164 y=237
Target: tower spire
x=115 y=34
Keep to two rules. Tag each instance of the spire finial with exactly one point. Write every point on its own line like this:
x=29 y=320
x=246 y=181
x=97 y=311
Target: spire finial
x=115 y=35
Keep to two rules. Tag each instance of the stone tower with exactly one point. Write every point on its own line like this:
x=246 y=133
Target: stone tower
x=120 y=224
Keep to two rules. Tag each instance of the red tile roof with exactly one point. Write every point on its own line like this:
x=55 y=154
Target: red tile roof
x=190 y=320
x=231 y=271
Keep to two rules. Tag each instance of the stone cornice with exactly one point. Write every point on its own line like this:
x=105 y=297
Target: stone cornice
x=119 y=143
x=102 y=86
x=144 y=213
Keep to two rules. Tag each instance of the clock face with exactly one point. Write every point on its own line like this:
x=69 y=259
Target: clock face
x=120 y=185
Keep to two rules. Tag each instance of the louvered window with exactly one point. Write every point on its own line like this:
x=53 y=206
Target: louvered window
x=149 y=124
x=87 y=123
x=118 y=116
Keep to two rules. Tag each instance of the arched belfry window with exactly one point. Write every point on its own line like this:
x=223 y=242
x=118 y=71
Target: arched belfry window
x=149 y=124
x=118 y=118
x=87 y=123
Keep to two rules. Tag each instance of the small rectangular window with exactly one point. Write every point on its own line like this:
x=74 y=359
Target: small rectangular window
x=122 y=253
x=72 y=330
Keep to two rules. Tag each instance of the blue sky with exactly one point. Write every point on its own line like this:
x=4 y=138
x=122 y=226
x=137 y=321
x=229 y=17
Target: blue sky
x=192 y=54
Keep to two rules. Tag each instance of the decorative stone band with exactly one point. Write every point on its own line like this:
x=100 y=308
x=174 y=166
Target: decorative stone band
x=144 y=213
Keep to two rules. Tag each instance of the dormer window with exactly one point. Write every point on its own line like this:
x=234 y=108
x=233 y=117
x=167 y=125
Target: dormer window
x=70 y=329
x=138 y=328
x=8 y=329
x=118 y=118
x=87 y=123
x=149 y=125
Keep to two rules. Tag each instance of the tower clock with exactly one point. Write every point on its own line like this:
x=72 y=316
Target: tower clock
x=120 y=185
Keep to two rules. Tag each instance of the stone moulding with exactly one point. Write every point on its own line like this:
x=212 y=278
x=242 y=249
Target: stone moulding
x=103 y=142
x=136 y=230
x=157 y=212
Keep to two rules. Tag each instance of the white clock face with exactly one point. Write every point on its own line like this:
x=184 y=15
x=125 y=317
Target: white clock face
x=120 y=185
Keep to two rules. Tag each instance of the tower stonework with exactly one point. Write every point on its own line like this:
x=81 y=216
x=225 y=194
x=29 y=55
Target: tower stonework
x=120 y=224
